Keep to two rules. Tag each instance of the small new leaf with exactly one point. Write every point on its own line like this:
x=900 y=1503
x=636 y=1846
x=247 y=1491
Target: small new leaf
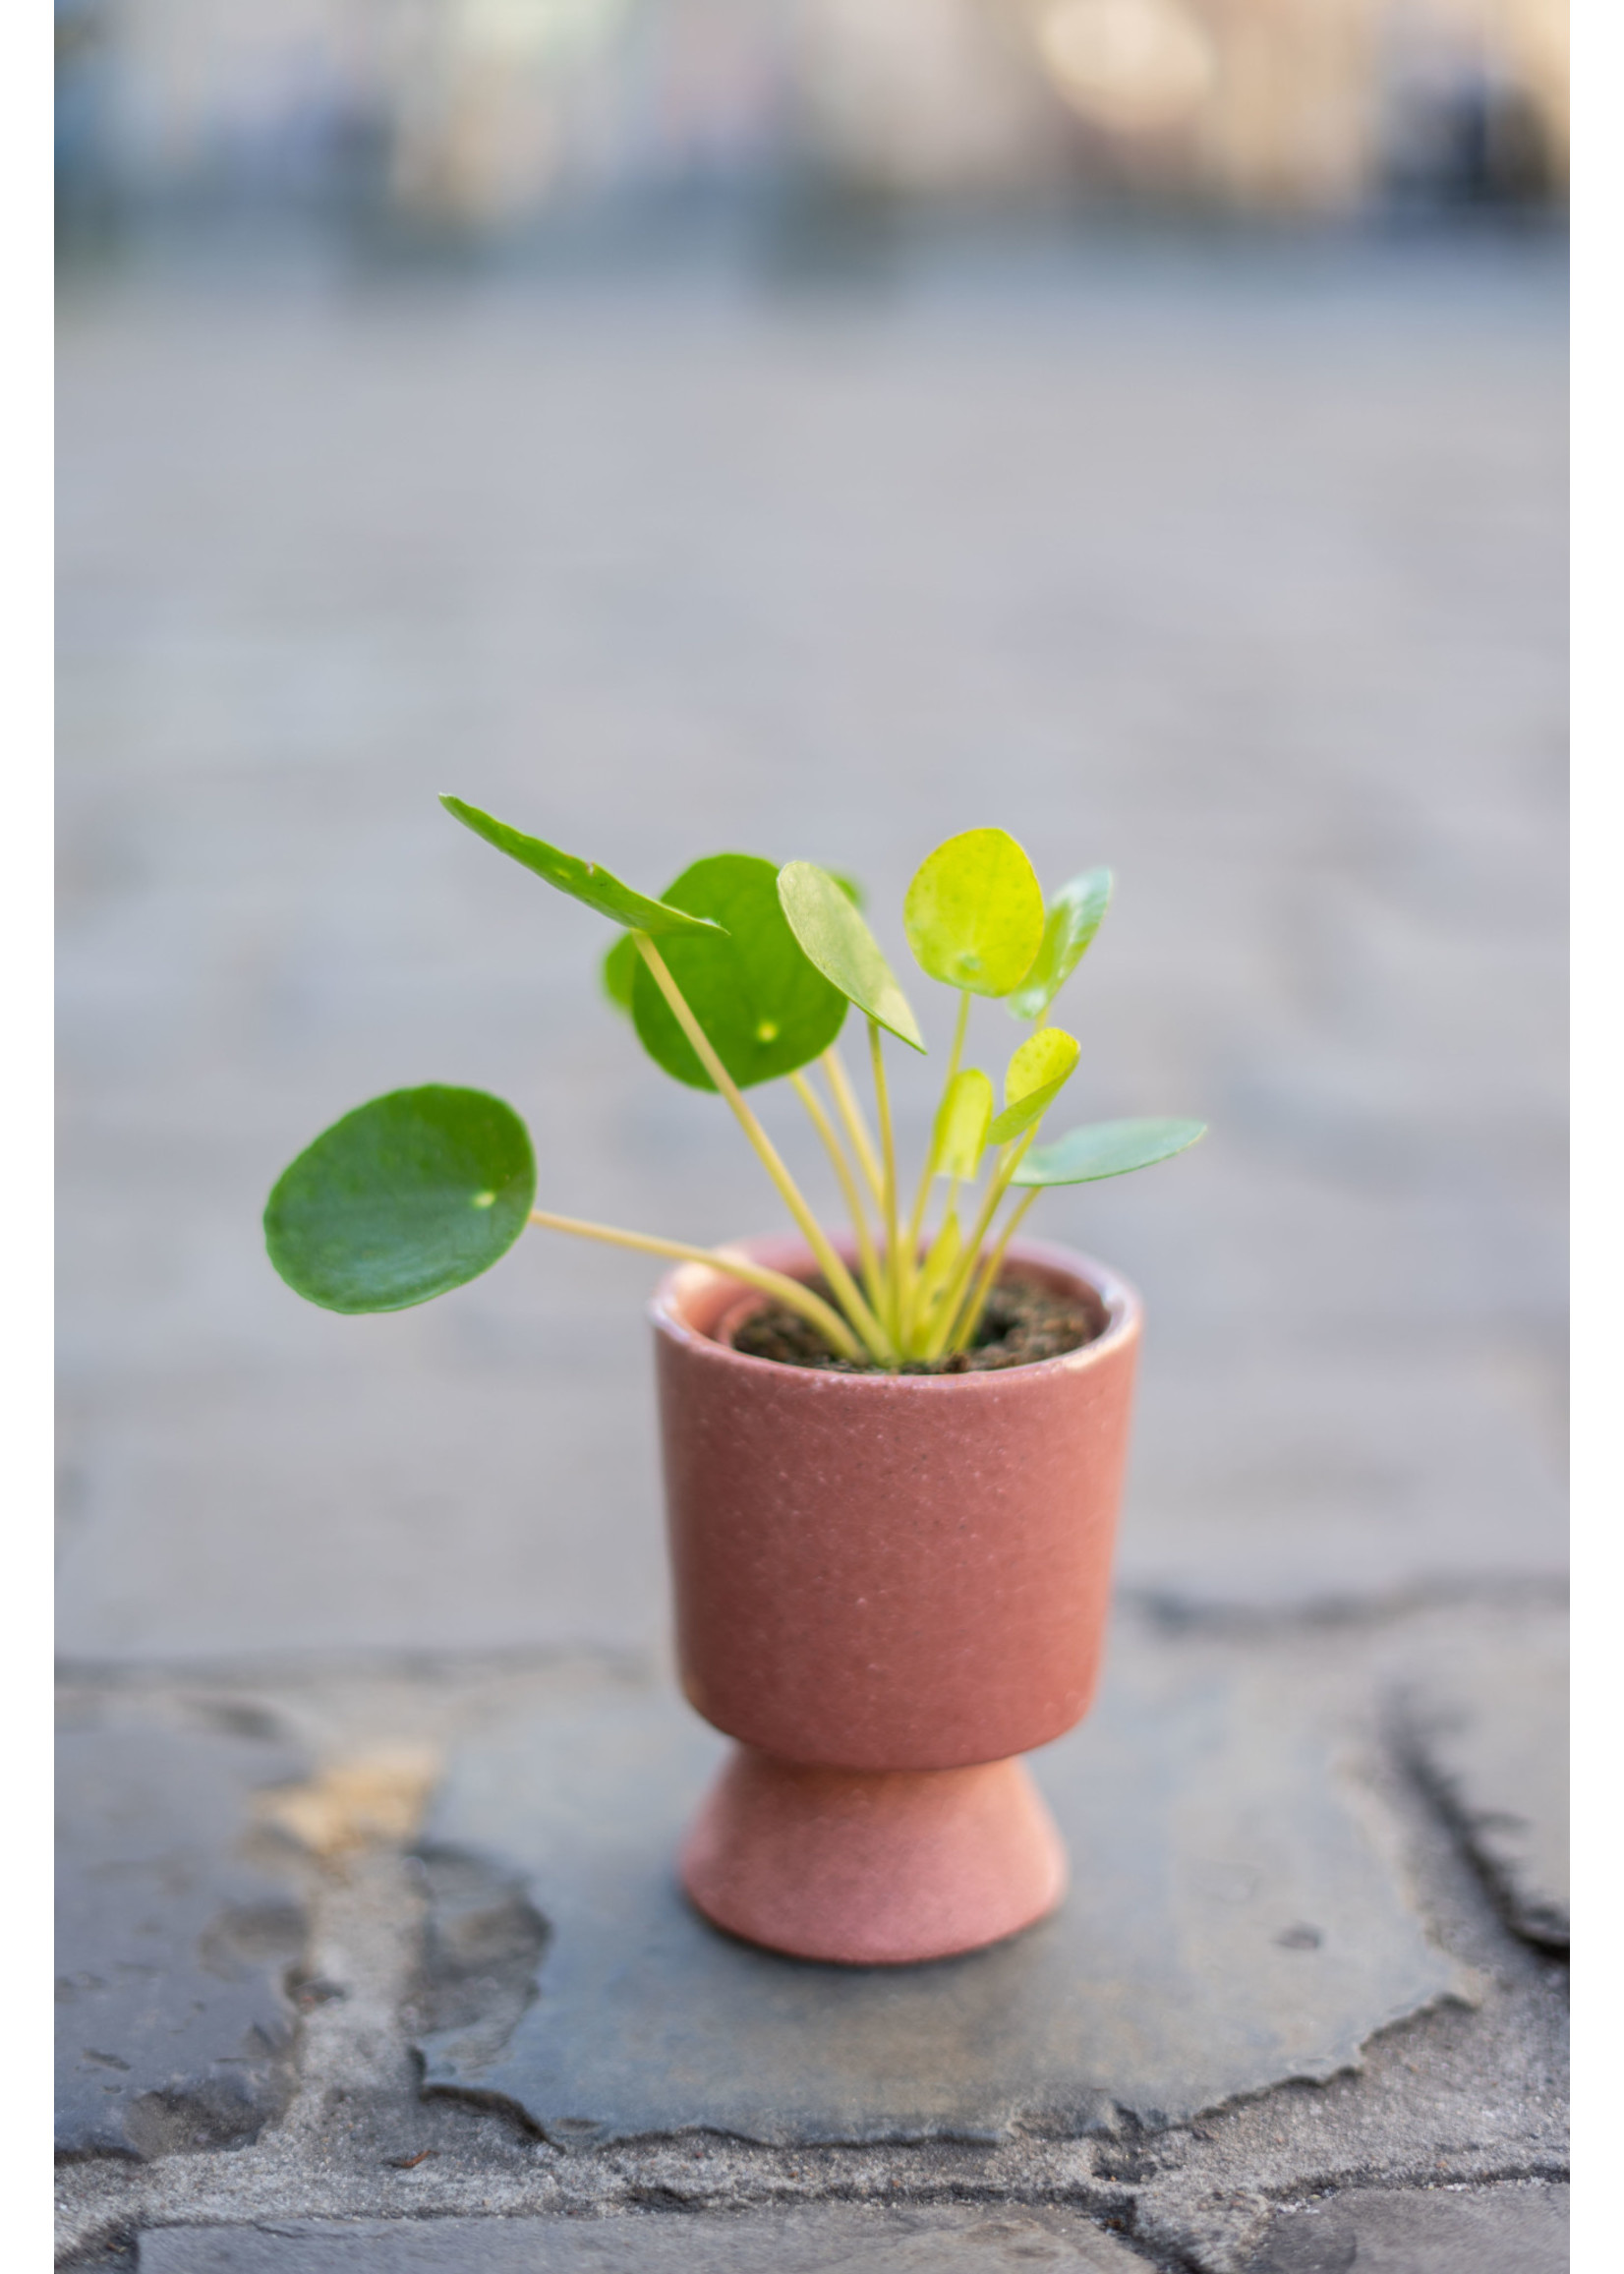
x=824 y=916
x=1106 y=1148
x=974 y=912
x=1039 y=1072
x=960 y=1138
x=1075 y=915
x=583 y=880
x=406 y=1197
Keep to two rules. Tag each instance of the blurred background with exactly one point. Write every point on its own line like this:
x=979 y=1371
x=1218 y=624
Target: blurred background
x=808 y=428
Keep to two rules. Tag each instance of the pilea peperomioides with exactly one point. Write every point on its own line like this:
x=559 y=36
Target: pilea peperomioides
x=743 y=972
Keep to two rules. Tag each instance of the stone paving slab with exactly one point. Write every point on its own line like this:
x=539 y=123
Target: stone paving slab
x=1235 y=1920
x=1457 y=2095
x=174 y=2026
x=975 y=2238
x=1489 y=1723
x=1510 y=2230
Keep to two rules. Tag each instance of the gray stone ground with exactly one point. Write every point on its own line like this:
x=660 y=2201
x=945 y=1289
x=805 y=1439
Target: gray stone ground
x=1238 y=566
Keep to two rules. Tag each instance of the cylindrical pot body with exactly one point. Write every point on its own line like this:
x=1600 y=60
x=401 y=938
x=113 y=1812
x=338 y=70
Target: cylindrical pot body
x=890 y=1571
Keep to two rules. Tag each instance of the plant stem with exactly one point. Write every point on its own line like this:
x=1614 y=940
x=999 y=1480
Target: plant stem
x=1009 y=1162
x=888 y=1153
x=916 y=1222
x=850 y=1107
x=966 y=1334
x=845 y=1289
x=789 y=1292
x=825 y=1128
x=935 y=1272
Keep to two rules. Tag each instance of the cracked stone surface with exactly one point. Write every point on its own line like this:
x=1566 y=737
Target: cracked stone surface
x=174 y=2026
x=1489 y=1723
x=1514 y=2230
x=1460 y=2097
x=803 y=2240
x=1233 y=1922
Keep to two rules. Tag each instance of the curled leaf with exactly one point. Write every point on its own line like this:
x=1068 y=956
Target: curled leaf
x=960 y=1136
x=824 y=916
x=1037 y=1073
x=974 y=912
x=404 y=1198
x=765 y=1007
x=582 y=880
x=1075 y=913
x=1106 y=1148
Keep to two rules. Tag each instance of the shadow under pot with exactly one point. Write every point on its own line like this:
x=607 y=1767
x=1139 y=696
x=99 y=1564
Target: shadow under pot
x=888 y=1588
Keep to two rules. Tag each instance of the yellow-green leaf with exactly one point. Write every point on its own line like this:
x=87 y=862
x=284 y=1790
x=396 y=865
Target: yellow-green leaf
x=960 y=1138
x=1037 y=1073
x=945 y=1251
x=974 y=912
x=824 y=916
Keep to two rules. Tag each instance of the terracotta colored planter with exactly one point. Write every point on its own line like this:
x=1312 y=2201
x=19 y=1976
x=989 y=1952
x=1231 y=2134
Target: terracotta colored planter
x=888 y=1589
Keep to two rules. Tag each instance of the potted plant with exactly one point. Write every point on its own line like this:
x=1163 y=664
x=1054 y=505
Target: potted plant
x=893 y=1455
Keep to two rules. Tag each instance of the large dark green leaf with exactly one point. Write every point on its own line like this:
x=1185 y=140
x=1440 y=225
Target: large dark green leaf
x=583 y=880
x=825 y=918
x=1106 y=1148
x=764 y=1006
x=618 y=972
x=973 y=913
x=1075 y=915
x=404 y=1198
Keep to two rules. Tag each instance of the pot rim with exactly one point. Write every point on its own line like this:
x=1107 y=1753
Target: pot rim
x=1124 y=1308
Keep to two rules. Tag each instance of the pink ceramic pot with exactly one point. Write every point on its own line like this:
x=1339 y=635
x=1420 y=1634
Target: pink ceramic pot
x=888 y=1588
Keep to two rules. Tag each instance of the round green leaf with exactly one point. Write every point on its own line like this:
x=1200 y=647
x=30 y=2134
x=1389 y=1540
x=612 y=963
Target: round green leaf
x=764 y=1006
x=824 y=917
x=1039 y=1072
x=1075 y=915
x=1106 y=1148
x=583 y=880
x=618 y=971
x=402 y=1199
x=974 y=912
x=960 y=1138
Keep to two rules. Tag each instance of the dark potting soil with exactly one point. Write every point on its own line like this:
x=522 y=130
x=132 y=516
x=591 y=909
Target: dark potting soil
x=1023 y=1324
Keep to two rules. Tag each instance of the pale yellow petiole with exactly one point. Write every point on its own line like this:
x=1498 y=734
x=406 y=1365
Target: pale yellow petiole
x=909 y=1321
x=867 y=1256
x=988 y=1279
x=844 y=1288
x=789 y=1292
x=850 y=1107
x=947 y=1316
x=936 y=1270
x=888 y=1156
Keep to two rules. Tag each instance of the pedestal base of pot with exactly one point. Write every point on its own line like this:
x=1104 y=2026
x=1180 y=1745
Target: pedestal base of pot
x=873 y=1868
